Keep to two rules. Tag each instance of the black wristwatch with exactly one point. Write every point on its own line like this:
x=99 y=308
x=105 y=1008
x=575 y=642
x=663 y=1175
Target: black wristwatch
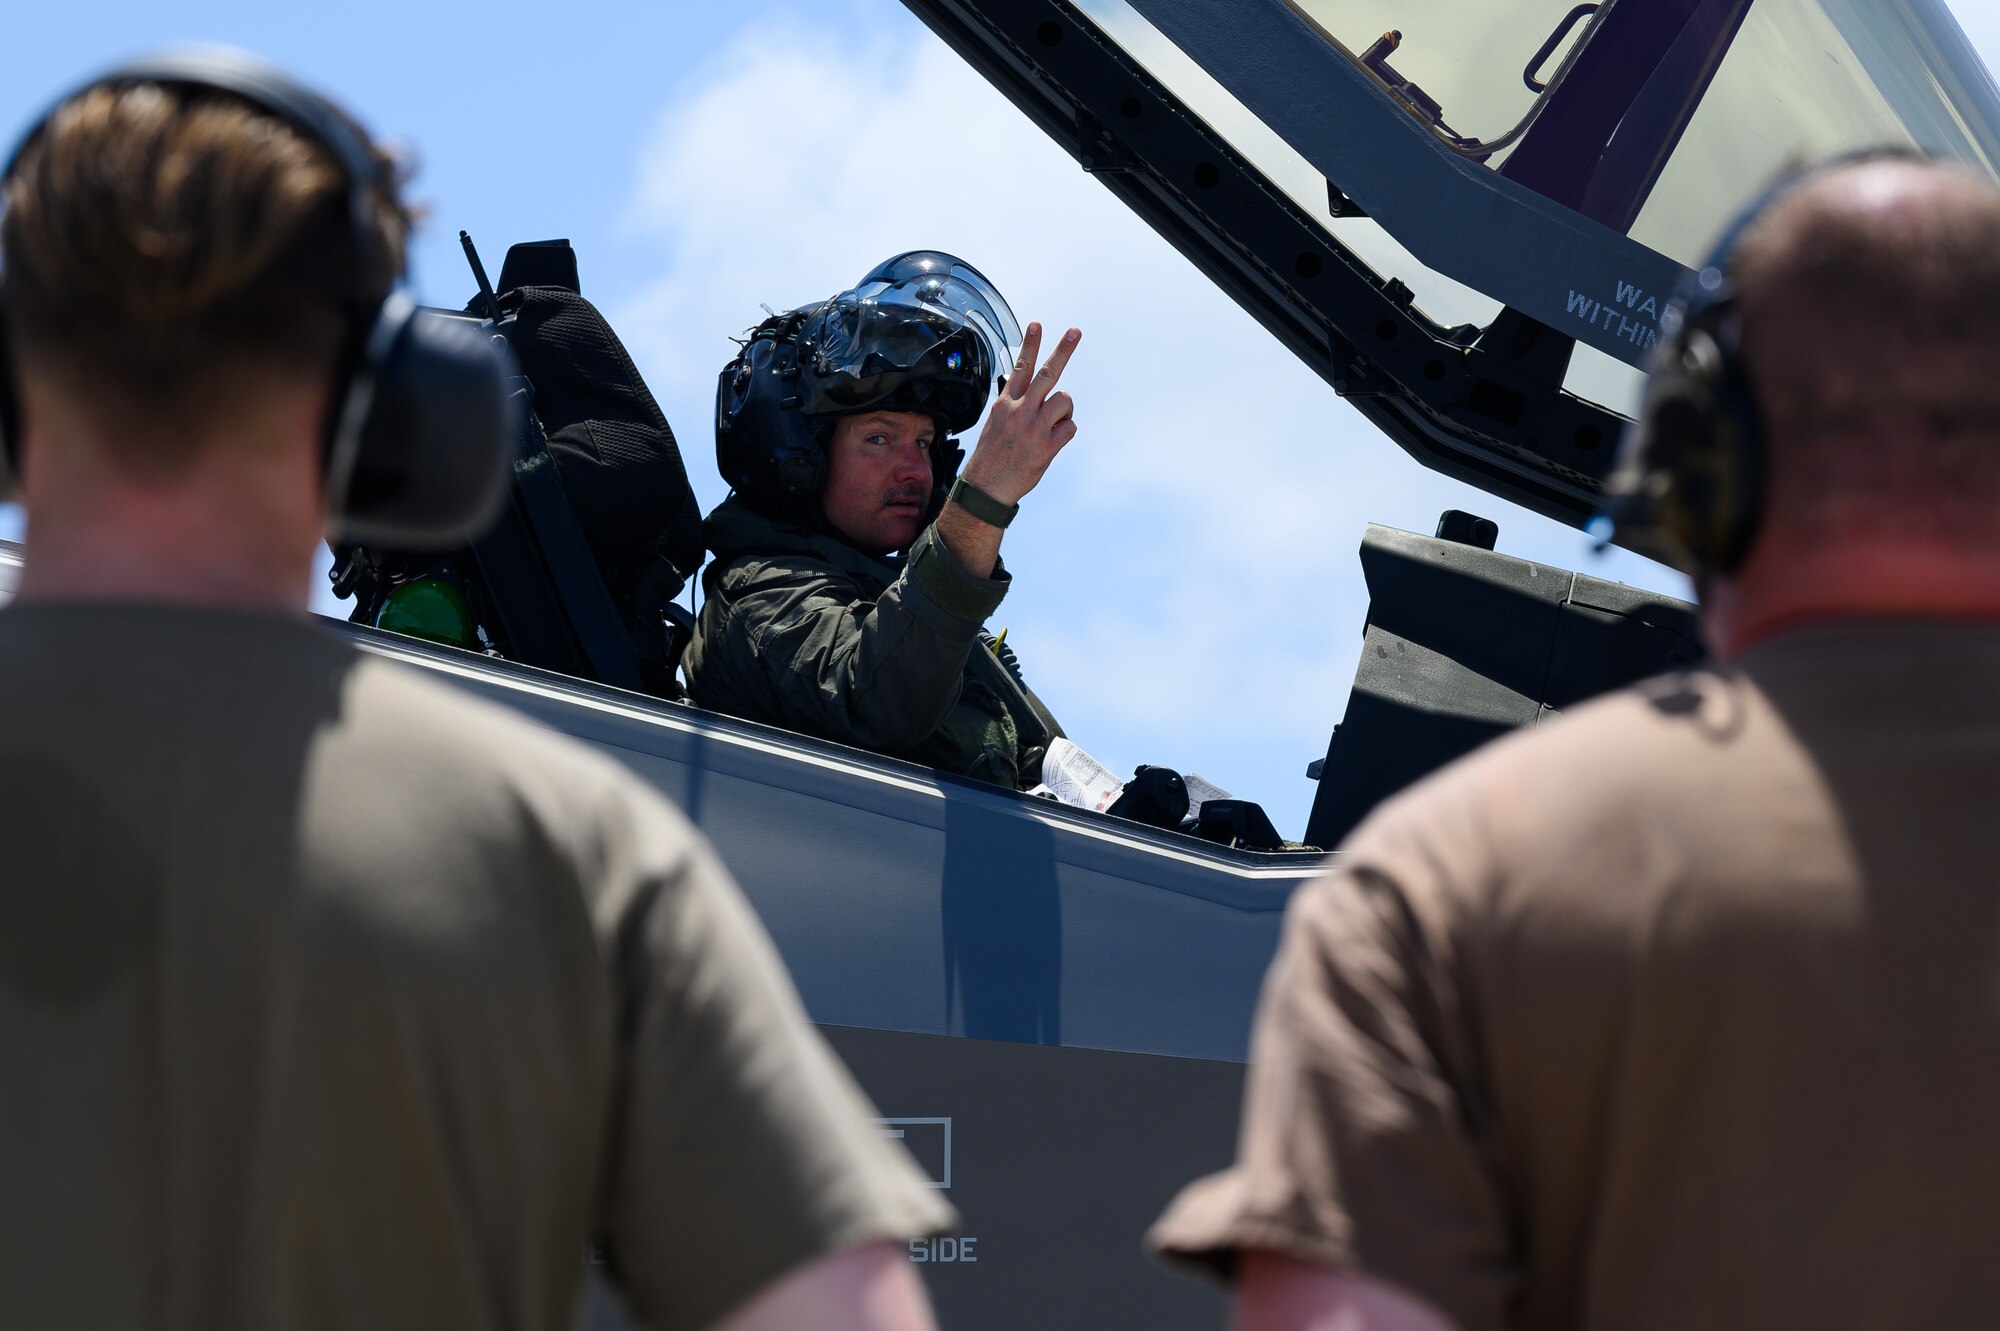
x=982 y=505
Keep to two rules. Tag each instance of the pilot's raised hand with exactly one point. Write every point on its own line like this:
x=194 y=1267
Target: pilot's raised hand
x=1029 y=424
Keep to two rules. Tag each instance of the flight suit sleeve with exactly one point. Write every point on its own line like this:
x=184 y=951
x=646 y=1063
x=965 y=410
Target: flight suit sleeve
x=740 y=1148
x=880 y=675
x=1362 y=1148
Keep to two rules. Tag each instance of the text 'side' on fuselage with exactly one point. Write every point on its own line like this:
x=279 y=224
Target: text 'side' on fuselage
x=1466 y=216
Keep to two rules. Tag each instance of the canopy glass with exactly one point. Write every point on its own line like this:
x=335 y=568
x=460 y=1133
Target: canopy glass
x=1653 y=119
x=1659 y=117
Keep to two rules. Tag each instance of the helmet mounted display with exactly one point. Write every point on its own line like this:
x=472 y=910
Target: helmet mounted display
x=918 y=289
x=923 y=332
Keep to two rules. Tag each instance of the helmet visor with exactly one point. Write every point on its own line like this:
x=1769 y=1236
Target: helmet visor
x=856 y=340
x=923 y=332
x=932 y=279
x=867 y=353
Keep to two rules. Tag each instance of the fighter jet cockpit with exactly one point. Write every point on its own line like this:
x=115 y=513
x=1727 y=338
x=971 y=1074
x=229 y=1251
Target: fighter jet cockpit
x=1467 y=220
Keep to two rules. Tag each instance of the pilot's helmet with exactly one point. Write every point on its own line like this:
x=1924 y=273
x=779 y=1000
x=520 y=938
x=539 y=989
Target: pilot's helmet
x=923 y=332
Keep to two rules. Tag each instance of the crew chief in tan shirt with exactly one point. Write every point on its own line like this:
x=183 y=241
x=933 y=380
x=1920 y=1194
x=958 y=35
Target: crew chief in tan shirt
x=1684 y=1011
x=331 y=997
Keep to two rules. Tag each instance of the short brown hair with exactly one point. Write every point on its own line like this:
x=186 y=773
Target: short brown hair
x=158 y=240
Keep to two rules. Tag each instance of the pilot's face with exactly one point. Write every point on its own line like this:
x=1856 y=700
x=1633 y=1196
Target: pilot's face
x=878 y=479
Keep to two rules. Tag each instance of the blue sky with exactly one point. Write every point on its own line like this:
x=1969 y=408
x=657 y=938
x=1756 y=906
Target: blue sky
x=1186 y=587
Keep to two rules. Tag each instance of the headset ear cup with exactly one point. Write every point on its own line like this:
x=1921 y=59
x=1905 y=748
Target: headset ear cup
x=1687 y=489
x=798 y=475
x=418 y=460
x=1694 y=418
x=1682 y=481
x=10 y=421
x=1737 y=509
x=1647 y=502
x=1713 y=467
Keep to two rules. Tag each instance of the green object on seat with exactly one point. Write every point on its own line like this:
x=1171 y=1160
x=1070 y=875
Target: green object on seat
x=431 y=608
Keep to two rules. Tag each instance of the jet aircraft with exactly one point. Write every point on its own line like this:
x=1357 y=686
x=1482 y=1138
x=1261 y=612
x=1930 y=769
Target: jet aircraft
x=1050 y=1006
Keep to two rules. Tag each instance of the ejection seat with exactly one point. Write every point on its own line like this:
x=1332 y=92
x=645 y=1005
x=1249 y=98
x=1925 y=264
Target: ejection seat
x=600 y=530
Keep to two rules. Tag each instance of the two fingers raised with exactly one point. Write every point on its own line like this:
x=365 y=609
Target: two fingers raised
x=1030 y=385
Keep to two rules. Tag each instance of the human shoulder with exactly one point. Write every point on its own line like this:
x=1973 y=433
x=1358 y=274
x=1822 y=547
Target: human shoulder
x=396 y=703
x=1610 y=749
x=754 y=573
x=466 y=756
x=756 y=552
x=1624 y=742
x=1538 y=804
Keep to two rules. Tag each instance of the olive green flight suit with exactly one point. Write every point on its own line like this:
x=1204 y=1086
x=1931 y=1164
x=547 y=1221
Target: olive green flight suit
x=802 y=630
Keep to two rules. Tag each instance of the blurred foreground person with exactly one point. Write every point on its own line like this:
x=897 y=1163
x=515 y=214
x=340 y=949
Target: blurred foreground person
x=330 y=997
x=1684 y=1011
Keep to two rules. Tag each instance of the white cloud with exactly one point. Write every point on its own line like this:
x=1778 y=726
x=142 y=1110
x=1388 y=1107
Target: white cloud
x=1186 y=584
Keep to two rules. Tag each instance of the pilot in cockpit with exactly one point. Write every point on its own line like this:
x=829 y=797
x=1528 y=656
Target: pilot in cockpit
x=856 y=562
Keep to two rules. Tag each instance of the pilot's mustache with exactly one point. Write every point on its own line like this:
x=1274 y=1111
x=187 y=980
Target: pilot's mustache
x=906 y=494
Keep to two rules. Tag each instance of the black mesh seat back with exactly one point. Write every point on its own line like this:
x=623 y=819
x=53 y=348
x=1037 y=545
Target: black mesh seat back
x=614 y=450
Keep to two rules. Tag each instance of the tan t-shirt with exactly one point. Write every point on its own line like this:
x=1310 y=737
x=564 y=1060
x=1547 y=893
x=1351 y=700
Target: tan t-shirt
x=1683 y=1011
x=331 y=997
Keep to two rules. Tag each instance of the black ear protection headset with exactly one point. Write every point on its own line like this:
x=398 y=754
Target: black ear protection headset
x=1689 y=486
x=418 y=436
